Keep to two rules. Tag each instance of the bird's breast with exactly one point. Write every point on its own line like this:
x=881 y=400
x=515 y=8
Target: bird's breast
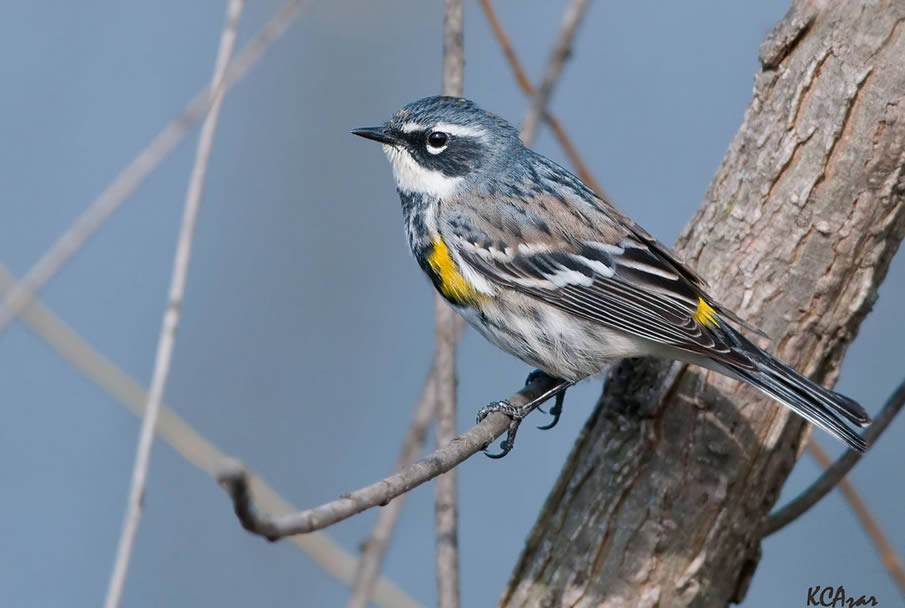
x=443 y=271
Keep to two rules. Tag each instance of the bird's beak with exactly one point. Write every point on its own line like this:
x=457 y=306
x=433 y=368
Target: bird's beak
x=381 y=134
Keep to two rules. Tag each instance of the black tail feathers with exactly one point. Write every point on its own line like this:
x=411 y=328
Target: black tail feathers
x=803 y=396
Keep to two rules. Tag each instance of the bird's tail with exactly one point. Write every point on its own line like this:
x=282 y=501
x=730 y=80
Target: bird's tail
x=803 y=396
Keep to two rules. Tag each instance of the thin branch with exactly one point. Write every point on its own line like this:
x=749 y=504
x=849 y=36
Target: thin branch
x=137 y=171
x=172 y=314
x=561 y=51
x=888 y=556
x=375 y=547
x=187 y=441
x=835 y=472
x=528 y=89
x=446 y=510
x=234 y=479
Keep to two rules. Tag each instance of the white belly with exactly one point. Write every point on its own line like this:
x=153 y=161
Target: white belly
x=550 y=339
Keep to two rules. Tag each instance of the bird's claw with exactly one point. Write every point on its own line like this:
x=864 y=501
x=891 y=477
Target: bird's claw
x=517 y=414
x=555 y=411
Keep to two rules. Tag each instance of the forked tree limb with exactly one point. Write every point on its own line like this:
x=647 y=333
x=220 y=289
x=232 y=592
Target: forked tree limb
x=524 y=83
x=562 y=50
x=663 y=497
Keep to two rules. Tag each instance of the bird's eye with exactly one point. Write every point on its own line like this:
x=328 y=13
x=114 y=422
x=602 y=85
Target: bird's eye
x=436 y=142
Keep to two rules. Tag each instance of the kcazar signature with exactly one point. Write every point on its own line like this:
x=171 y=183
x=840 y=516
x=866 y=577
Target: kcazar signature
x=836 y=597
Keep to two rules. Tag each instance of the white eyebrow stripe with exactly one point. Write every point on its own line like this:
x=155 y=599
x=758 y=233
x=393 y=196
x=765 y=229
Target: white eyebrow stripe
x=413 y=126
x=460 y=130
x=455 y=130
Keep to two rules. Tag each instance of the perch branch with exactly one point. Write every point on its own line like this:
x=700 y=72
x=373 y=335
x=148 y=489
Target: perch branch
x=174 y=306
x=234 y=480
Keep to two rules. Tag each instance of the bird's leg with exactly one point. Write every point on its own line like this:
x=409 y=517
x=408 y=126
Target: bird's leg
x=516 y=414
x=556 y=410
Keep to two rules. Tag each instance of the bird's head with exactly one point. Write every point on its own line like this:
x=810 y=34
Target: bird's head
x=438 y=145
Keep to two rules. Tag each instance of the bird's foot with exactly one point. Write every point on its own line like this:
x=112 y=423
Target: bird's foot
x=556 y=410
x=518 y=413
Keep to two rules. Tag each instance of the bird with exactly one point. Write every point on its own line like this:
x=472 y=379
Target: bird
x=554 y=274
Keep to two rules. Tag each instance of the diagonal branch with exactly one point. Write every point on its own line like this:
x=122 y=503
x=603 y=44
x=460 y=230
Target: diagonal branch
x=528 y=89
x=835 y=472
x=172 y=314
x=712 y=456
x=234 y=480
x=187 y=441
x=888 y=556
x=561 y=51
x=137 y=171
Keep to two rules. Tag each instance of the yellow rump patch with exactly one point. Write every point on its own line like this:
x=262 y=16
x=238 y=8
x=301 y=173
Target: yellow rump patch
x=705 y=314
x=449 y=280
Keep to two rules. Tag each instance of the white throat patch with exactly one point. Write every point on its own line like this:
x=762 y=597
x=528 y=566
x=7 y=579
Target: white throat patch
x=412 y=177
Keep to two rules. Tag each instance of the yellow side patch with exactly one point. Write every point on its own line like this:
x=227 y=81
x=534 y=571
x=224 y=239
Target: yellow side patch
x=448 y=278
x=705 y=314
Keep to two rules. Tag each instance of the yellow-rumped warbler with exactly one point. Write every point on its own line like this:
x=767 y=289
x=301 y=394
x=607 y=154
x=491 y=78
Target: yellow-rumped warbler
x=555 y=275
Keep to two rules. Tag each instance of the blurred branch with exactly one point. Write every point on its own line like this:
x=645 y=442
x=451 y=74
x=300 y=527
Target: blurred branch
x=525 y=84
x=375 y=547
x=234 y=478
x=185 y=440
x=172 y=314
x=138 y=170
x=888 y=556
x=446 y=508
x=836 y=471
x=562 y=49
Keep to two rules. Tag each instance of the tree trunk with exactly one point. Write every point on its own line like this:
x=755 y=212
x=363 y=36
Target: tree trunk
x=662 y=497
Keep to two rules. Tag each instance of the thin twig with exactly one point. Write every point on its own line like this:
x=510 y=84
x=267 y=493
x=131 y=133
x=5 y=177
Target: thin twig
x=186 y=441
x=172 y=313
x=561 y=51
x=581 y=168
x=446 y=510
x=888 y=556
x=137 y=171
x=376 y=546
x=234 y=480
x=835 y=472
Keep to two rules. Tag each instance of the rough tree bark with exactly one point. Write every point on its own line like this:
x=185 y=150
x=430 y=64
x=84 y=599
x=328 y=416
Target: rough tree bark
x=661 y=500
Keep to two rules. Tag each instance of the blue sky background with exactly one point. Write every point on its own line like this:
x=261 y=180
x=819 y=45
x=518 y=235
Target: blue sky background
x=307 y=327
